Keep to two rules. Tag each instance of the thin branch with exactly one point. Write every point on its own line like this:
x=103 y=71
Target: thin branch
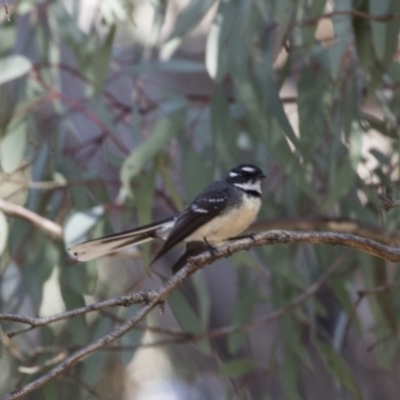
x=125 y=301
x=228 y=330
x=388 y=202
x=200 y=261
x=76 y=105
x=40 y=222
x=352 y=13
x=48 y=363
x=362 y=294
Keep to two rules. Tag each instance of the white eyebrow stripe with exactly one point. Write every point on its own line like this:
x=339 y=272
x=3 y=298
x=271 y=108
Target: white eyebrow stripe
x=248 y=169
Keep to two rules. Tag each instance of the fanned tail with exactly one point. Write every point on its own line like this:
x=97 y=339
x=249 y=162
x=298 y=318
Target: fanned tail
x=109 y=244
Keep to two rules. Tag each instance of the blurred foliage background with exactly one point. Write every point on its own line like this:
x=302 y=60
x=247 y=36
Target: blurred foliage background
x=114 y=113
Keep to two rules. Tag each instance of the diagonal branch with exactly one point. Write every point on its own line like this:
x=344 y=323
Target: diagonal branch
x=193 y=264
x=125 y=301
x=40 y=222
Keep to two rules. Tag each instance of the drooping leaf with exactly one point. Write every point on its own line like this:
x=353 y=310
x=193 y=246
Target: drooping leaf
x=13 y=145
x=237 y=368
x=166 y=129
x=3 y=232
x=175 y=65
x=190 y=17
x=246 y=301
x=101 y=60
x=339 y=370
x=78 y=225
x=379 y=30
x=94 y=364
x=12 y=67
x=187 y=317
x=348 y=171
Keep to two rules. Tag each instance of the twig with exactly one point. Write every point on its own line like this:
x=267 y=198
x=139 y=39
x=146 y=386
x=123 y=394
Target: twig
x=228 y=330
x=388 y=202
x=352 y=13
x=40 y=222
x=362 y=293
x=125 y=301
x=195 y=263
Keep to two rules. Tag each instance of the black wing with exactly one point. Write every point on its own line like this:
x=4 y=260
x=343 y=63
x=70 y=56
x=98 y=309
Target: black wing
x=214 y=199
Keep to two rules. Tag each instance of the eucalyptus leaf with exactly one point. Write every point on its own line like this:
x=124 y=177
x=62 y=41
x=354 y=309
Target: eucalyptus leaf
x=190 y=17
x=379 y=30
x=3 y=232
x=164 y=131
x=13 y=145
x=236 y=368
x=78 y=225
x=12 y=67
x=340 y=370
x=175 y=65
x=101 y=60
x=244 y=310
x=188 y=318
x=94 y=364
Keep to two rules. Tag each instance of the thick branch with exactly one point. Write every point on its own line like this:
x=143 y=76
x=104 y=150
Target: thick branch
x=195 y=263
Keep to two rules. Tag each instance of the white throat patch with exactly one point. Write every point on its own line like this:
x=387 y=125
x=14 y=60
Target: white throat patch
x=255 y=186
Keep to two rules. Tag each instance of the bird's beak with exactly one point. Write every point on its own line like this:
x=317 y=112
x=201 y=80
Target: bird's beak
x=261 y=176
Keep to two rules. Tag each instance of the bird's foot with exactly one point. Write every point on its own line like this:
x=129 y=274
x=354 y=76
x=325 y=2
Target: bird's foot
x=210 y=248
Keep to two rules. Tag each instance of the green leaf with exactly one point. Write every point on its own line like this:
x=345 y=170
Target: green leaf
x=131 y=339
x=222 y=32
x=237 y=368
x=290 y=373
x=187 y=318
x=49 y=391
x=362 y=35
x=163 y=166
x=194 y=165
x=73 y=298
x=203 y=299
x=42 y=257
x=101 y=60
x=190 y=17
x=93 y=365
x=12 y=67
x=176 y=65
x=243 y=314
x=343 y=33
x=347 y=174
x=144 y=196
x=3 y=232
x=13 y=145
x=166 y=129
x=223 y=128
x=339 y=369
x=380 y=126
x=78 y=225
x=184 y=313
x=311 y=88
x=378 y=29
